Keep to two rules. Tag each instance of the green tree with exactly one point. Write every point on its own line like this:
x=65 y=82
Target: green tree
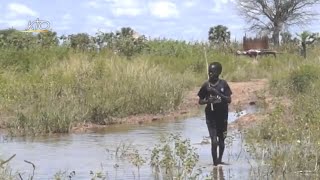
x=125 y=32
x=219 y=35
x=105 y=40
x=12 y=38
x=80 y=41
x=48 y=39
x=128 y=42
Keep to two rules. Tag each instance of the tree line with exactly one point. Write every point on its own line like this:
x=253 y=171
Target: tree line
x=125 y=41
x=122 y=41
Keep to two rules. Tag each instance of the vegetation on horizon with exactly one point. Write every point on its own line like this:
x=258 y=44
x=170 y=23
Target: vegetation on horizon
x=50 y=87
x=49 y=91
x=48 y=84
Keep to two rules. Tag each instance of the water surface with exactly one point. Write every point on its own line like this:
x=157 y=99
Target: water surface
x=95 y=152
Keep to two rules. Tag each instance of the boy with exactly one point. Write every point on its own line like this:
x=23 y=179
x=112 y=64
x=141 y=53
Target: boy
x=217 y=92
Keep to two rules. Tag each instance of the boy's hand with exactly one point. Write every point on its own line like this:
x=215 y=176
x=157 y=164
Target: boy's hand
x=213 y=100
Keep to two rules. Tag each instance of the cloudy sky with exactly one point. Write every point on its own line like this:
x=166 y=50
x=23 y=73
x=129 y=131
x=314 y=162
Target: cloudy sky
x=177 y=19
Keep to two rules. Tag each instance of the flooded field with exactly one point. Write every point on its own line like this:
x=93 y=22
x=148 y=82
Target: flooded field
x=95 y=152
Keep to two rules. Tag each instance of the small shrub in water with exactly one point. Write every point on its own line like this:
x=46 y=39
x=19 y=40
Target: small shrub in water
x=176 y=156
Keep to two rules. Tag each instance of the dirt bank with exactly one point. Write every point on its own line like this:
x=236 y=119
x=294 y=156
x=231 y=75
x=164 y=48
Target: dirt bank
x=244 y=93
x=257 y=93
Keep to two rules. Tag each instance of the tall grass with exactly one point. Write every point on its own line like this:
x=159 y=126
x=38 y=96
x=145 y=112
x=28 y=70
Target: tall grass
x=289 y=136
x=6 y=174
x=84 y=88
x=49 y=90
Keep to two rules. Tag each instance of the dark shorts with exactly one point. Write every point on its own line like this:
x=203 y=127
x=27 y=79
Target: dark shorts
x=217 y=124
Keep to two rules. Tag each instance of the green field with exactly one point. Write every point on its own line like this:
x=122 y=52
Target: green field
x=49 y=89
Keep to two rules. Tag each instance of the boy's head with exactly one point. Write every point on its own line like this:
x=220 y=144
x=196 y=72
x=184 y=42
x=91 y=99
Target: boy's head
x=214 y=70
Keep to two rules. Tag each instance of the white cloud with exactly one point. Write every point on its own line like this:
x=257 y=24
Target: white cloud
x=67 y=17
x=126 y=12
x=193 y=34
x=62 y=28
x=191 y=30
x=163 y=9
x=95 y=23
x=64 y=24
x=11 y=19
x=219 y=5
x=235 y=27
x=20 y=9
x=189 y=3
x=125 y=7
x=118 y=7
x=93 y=4
x=99 y=20
x=15 y=23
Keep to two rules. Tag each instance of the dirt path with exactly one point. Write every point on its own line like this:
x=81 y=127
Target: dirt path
x=243 y=94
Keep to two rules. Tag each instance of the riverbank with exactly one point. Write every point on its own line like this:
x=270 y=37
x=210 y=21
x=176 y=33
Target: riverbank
x=75 y=91
x=244 y=93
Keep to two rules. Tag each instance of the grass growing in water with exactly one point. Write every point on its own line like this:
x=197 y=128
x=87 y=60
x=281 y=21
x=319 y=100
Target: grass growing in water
x=288 y=138
x=172 y=158
x=175 y=158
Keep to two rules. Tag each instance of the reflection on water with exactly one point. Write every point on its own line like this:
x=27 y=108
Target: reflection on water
x=217 y=173
x=83 y=153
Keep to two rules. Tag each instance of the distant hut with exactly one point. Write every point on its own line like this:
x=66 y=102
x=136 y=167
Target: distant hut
x=255 y=43
x=256 y=46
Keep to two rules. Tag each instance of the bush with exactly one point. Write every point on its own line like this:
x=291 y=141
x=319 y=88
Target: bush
x=302 y=78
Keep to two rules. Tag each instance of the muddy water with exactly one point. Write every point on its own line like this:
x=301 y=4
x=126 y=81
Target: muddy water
x=95 y=152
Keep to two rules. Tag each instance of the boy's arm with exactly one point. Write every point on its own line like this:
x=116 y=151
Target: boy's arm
x=227 y=93
x=202 y=95
x=224 y=97
x=205 y=101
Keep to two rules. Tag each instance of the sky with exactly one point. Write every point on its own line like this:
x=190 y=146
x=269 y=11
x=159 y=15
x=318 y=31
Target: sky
x=187 y=20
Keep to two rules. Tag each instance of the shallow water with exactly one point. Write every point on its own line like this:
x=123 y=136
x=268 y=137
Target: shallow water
x=83 y=153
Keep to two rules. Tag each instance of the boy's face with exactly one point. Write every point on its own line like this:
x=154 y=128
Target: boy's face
x=213 y=74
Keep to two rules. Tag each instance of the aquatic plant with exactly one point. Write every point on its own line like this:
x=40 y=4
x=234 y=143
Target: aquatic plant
x=175 y=157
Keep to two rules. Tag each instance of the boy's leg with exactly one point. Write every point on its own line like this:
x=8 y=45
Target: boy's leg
x=221 y=148
x=222 y=134
x=214 y=142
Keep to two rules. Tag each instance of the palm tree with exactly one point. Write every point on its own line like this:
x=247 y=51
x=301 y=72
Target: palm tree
x=125 y=32
x=306 y=38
